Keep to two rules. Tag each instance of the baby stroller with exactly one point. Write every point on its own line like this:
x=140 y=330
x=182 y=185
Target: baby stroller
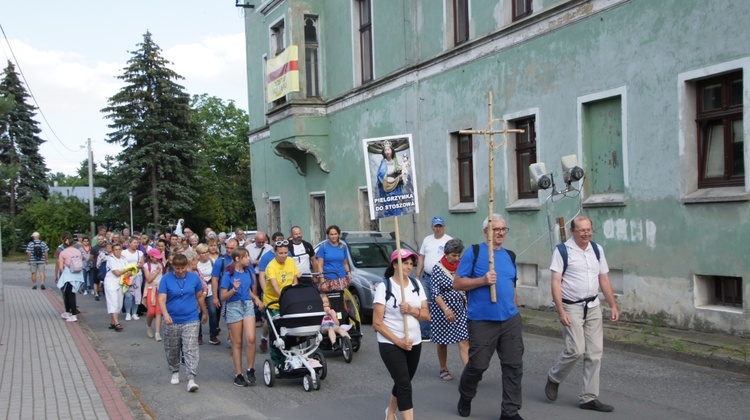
x=296 y=333
x=347 y=310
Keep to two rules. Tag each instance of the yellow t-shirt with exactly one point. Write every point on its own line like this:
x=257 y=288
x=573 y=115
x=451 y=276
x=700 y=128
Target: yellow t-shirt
x=284 y=275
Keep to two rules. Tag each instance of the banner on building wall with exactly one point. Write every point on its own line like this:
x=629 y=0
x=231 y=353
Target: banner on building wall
x=282 y=74
x=391 y=177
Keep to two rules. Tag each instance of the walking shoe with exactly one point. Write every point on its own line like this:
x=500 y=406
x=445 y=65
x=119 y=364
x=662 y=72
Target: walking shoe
x=43 y=287
x=157 y=337
x=136 y=317
x=192 y=386
x=464 y=407
x=66 y=315
x=251 y=376
x=426 y=338
x=175 y=378
x=214 y=341
x=263 y=344
x=551 y=389
x=96 y=297
x=85 y=292
x=597 y=405
x=239 y=380
x=72 y=318
x=150 y=332
x=514 y=417
x=200 y=340
x=33 y=287
x=128 y=317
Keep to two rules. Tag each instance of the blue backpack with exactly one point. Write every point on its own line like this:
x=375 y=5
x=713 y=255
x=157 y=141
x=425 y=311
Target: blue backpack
x=102 y=271
x=564 y=254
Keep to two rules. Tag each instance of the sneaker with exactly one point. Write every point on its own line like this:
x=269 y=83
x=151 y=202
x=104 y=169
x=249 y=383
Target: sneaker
x=157 y=337
x=85 y=292
x=513 y=417
x=214 y=341
x=33 y=287
x=263 y=345
x=464 y=407
x=426 y=339
x=150 y=332
x=239 y=380
x=96 y=297
x=200 y=340
x=551 y=389
x=43 y=287
x=192 y=386
x=72 y=318
x=596 y=405
x=136 y=317
x=175 y=378
x=66 y=315
x=251 y=376
x=128 y=317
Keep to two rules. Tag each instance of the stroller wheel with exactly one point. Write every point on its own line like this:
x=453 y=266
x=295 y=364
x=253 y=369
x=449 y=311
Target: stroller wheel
x=346 y=349
x=269 y=374
x=323 y=371
x=356 y=343
x=316 y=384
x=307 y=383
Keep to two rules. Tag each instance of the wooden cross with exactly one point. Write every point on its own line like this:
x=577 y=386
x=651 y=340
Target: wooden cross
x=489 y=136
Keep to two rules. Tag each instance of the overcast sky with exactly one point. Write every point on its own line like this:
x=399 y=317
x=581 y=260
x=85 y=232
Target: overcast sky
x=71 y=51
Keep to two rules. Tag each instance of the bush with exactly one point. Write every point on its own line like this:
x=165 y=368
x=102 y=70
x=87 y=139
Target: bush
x=52 y=217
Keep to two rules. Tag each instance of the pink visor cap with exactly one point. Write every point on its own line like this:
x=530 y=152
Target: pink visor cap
x=405 y=253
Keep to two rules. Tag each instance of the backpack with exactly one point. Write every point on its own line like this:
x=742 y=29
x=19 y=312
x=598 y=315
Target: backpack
x=38 y=252
x=512 y=254
x=102 y=270
x=564 y=254
x=389 y=292
x=76 y=263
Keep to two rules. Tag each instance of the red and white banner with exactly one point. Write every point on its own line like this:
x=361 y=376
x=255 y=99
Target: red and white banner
x=282 y=74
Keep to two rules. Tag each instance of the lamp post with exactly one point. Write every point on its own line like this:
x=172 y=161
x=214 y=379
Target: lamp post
x=130 y=197
x=91 y=188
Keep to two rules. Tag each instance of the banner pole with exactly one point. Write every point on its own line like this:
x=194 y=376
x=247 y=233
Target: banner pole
x=399 y=275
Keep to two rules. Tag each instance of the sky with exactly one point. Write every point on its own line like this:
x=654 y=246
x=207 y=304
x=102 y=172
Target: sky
x=70 y=53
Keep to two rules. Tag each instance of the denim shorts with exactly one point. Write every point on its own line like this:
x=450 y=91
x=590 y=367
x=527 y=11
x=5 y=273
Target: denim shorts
x=239 y=310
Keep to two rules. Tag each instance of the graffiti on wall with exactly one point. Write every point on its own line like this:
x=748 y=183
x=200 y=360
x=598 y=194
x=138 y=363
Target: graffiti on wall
x=634 y=230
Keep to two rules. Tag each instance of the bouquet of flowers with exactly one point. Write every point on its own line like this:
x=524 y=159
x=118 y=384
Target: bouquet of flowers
x=129 y=271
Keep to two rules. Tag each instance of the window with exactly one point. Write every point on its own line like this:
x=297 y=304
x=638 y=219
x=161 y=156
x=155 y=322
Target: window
x=365 y=39
x=312 y=66
x=277 y=38
x=720 y=131
x=460 y=21
x=521 y=9
x=318 y=216
x=465 y=157
x=728 y=291
x=525 y=156
x=275 y=215
x=364 y=205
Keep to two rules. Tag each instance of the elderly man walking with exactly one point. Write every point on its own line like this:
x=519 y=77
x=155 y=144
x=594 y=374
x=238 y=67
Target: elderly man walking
x=38 y=251
x=579 y=270
x=430 y=254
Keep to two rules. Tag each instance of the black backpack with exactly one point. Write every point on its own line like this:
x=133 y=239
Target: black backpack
x=389 y=292
x=38 y=252
x=512 y=254
x=564 y=254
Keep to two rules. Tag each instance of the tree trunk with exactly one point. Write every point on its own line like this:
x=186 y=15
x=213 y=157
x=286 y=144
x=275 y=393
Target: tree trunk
x=12 y=190
x=154 y=197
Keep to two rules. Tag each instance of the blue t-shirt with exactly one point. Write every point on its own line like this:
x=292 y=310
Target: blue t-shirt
x=182 y=304
x=264 y=260
x=221 y=265
x=481 y=307
x=246 y=282
x=333 y=259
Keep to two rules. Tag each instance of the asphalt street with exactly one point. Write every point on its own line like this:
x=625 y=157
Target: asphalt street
x=638 y=386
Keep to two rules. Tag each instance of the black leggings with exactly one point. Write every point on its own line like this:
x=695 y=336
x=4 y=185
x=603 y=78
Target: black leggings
x=69 y=299
x=402 y=365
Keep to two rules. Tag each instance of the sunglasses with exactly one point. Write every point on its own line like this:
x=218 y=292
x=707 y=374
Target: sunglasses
x=282 y=243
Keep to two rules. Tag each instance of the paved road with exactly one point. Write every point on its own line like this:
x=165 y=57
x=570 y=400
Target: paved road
x=638 y=386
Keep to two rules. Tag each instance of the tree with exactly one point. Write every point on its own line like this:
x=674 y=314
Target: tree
x=53 y=216
x=24 y=174
x=152 y=120
x=225 y=189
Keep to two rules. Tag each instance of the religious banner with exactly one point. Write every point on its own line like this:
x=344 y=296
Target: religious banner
x=282 y=74
x=391 y=180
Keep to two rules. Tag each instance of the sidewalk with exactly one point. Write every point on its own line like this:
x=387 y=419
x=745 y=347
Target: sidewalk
x=714 y=350
x=49 y=367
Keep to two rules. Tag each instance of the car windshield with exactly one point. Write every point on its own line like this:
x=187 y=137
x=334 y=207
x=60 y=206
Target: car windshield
x=371 y=255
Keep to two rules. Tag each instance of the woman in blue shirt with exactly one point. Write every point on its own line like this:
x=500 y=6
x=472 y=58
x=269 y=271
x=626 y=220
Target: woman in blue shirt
x=239 y=291
x=180 y=299
x=333 y=257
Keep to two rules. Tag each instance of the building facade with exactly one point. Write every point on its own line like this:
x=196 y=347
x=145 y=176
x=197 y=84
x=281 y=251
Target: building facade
x=649 y=95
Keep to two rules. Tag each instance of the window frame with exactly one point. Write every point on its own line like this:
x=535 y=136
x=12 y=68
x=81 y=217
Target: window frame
x=365 y=34
x=524 y=13
x=277 y=35
x=721 y=286
x=460 y=37
x=528 y=124
x=312 y=81
x=726 y=115
x=462 y=156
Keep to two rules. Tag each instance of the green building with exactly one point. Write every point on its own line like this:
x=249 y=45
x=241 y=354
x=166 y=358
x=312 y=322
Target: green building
x=649 y=95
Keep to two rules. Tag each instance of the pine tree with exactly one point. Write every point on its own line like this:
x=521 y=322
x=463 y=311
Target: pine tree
x=25 y=173
x=153 y=122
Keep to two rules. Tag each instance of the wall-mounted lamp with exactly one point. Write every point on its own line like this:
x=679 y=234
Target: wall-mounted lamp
x=571 y=171
x=539 y=178
x=242 y=4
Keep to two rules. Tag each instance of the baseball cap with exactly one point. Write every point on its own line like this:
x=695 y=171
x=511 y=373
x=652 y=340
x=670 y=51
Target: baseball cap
x=405 y=253
x=155 y=253
x=437 y=220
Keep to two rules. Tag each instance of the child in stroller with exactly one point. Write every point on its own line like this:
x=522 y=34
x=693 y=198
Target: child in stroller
x=330 y=326
x=296 y=333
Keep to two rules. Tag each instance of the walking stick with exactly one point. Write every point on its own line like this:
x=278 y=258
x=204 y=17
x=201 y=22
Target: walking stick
x=401 y=277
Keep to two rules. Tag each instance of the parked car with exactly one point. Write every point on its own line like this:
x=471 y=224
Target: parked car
x=369 y=256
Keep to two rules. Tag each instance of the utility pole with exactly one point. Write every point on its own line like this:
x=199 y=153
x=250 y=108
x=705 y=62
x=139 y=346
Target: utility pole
x=91 y=189
x=2 y=284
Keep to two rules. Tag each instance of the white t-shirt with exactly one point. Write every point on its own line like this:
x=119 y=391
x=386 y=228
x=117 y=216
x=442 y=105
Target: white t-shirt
x=393 y=318
x=204 y=271
x=581 y=278
x=301 y=258
x=432 y=249
x=255 y=252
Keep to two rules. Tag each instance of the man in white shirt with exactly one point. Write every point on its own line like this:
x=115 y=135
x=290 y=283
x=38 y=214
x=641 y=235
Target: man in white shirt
x=430 y=254
x=302 y=253
x=257 y=247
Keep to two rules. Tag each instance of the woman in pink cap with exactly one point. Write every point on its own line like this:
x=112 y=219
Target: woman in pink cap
x=153 y=270
x=393 y=318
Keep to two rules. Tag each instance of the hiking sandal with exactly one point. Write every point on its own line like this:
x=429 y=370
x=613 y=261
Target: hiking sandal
x=117 y=327
x=446 y=375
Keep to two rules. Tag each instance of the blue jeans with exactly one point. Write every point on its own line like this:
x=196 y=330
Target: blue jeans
x=213 y=318
x=88 y=280
x=426 y=326
x=130 y=306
